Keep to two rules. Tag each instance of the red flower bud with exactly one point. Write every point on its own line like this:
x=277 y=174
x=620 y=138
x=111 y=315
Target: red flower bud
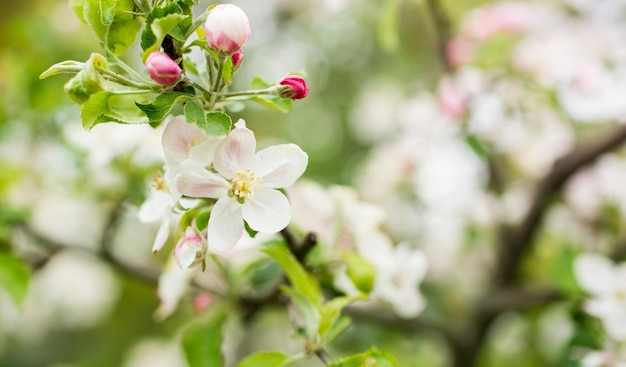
x=297 y=88
x=227 y=28
x=162 y=68
x=237 y=57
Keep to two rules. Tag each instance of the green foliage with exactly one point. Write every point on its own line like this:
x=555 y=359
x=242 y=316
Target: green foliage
x=87 y=81
x=361 y=272
x=371 y=358
x=213 y=123
x=264 y=359
x=274 y=102
x=202 y=343
x=173 y=19
x=216 y=123
x=14 y=276
x=262 y=275
x=112 y=21
x=388 y=26
x=108 y=106
x=158 y=109
x=303 y=282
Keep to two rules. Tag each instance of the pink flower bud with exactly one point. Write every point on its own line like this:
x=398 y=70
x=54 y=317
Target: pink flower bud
x=297 y=88
x=190 y=249
x=227 y=28
x=162 y=68
x=237 y=57
x=202 y=302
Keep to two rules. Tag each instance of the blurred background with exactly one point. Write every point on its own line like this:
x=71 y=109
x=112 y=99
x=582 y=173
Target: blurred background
x=377 y=72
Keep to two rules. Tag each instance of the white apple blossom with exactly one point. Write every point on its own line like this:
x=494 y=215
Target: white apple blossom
x=181 y=142
x=606 y=284
x=244 y=184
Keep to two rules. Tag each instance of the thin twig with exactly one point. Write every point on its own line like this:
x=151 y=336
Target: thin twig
x=323 y=355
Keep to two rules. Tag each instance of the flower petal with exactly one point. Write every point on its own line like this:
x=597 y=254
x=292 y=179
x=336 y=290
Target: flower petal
x=280 y=165
x=162 y=234
x=196 y=181
x=225 y=225
x=178 y=137
x=268 y=211
x=235 y=152
x=594 y=273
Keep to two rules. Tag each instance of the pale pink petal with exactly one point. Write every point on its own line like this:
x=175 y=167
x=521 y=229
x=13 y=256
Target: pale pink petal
x=225 y=225
x=178 y=138
x=196 y=181
x=594 y=273
x=158 y=204
x=173 y=284
x=203 y=153
x=185 y=256
x=235 y=152
x=280 y=165
x=268 y=211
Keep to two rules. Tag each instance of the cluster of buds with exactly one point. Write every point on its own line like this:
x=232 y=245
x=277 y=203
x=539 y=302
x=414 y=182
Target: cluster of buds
x=227 y=30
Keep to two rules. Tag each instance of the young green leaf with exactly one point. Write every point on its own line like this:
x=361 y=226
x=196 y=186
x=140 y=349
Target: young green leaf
x=106 y=106
x=264 y=359
x=299 y=278
x=307 y=310
x=216 y=123
x=371 y=358
x=331 y=311
x=360 y=271
x=14 y=276
x=160 y=27
x=162 y=105
x=202 y=343
x=112 y=21
x=274 y=102
x=194 y=113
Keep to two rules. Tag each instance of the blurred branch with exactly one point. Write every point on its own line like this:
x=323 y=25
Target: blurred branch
x=442 y=32
x=515 y=242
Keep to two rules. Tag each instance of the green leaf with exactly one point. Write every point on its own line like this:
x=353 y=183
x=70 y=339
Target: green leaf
x=299 y=278
x=78 y=6
x=337 y=328
x=251 y=232
x=308 y=312
x=87 y=81
x=162 y=105
x=371 y=358
x=108 y=106
x=227 y=72
x=263 y=359
x=361 y=272
x=68 y=66
x=14 y=276
x=216 y=123
x=113 y=23
x=262 y=274
x=274 y=102
x=202 y=343
x=331 y=311
x=160 y=27
x=194 y=113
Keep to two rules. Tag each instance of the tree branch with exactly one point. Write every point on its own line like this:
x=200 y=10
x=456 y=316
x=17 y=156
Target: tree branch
x=516 y=242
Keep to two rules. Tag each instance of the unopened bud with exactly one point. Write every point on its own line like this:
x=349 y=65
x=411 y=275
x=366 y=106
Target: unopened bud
x=162 y=68
x=190 y=249
x=227 y=28
x=296 y=87
x=237 y=57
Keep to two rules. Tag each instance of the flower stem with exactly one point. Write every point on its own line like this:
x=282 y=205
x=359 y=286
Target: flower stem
x=323 y=355
x=272 y=91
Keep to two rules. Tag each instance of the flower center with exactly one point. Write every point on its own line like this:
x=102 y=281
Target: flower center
x=244 y=184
